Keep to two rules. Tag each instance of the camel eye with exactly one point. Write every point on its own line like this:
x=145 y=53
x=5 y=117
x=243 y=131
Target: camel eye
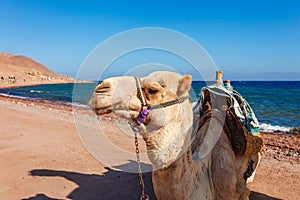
x=152 y=91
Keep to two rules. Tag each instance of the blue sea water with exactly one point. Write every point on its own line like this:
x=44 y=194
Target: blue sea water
x=275 y=103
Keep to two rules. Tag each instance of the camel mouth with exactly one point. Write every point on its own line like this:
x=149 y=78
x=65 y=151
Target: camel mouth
x=118 y=110
x=100 y=107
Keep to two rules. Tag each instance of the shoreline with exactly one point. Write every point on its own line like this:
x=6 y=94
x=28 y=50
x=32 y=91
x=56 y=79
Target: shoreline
x=31 y=102
x=278 y=128
x=37 y=83
x=292 y=131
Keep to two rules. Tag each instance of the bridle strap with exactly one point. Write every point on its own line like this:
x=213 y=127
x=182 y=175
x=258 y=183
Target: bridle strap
x=139 y=91
x=168 y=103
x=162 y=105
x=145 y=109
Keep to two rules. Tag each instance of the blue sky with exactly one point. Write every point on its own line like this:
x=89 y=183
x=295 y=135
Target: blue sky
x=246 y=39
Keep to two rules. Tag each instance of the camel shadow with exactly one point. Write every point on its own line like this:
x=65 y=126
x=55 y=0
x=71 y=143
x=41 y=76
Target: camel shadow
x=112 y=184
x=40 y=197
x=260 y=196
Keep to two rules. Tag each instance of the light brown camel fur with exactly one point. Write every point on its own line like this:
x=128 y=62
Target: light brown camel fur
x=186 y=165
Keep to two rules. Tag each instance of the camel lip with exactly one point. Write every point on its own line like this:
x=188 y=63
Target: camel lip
x=118 y=110
x=103 y=107
x=103 y=110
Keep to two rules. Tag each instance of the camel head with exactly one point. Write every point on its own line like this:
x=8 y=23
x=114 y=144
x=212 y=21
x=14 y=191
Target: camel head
x=113 y=95
x=166 y=124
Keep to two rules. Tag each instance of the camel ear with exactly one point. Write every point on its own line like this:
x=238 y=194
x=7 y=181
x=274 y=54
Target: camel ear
x=184 y=85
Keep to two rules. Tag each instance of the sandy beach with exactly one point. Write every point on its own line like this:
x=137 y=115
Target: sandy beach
x=42 y=157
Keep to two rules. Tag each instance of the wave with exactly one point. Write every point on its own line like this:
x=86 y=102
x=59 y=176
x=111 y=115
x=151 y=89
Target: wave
x=15 y=96
x=272 y=128
x=76 y=104
x=36 y=91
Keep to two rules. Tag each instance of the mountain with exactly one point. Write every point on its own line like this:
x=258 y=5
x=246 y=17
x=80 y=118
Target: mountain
x=19 y=68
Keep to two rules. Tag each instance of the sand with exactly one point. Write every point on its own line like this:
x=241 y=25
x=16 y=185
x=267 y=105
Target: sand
x=42 y=157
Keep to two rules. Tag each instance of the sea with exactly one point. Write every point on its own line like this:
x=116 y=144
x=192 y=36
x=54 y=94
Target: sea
x=276 y=104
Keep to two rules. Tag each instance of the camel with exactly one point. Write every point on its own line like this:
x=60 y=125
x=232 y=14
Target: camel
x=181 y=169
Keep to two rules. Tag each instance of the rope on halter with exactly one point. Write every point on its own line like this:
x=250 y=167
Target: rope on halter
x=139 y=91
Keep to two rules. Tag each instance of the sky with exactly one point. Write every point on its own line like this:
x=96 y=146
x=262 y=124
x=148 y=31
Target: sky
x=248 y=40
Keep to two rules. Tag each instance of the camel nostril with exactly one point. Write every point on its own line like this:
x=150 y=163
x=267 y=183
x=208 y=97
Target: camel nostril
x=104 y=87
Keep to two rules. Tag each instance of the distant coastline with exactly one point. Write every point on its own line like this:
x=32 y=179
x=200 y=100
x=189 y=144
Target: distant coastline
x=19 y=71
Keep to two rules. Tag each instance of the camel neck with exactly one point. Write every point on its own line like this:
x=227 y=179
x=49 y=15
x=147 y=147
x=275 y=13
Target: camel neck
x=168 y=144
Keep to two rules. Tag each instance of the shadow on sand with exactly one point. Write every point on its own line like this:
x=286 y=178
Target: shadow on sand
x=112 y=184
x=259 y=196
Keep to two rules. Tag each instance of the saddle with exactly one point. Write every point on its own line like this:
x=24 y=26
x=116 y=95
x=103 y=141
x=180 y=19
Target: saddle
x=231 y=109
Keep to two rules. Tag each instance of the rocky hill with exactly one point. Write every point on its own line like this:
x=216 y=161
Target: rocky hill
x=16 y=69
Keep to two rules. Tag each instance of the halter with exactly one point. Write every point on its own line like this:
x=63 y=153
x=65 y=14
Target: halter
x=146 y=108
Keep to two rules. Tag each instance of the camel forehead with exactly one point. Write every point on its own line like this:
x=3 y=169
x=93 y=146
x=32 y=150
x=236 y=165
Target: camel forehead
x=117 y=80
x=127 y=84
x=164 y=78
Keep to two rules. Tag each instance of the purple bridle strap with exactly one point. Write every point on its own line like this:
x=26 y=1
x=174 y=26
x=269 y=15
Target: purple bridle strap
x=142 y=116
